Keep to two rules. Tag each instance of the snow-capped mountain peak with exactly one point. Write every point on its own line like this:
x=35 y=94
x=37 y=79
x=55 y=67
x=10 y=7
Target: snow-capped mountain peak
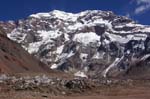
x=55 y=14
x=59 y=39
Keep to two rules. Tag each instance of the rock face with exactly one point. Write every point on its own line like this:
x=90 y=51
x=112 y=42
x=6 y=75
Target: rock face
x=91 y=42
x=14 y=59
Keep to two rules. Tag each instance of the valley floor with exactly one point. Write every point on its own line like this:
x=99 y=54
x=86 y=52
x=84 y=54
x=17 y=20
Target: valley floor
x=127 y=93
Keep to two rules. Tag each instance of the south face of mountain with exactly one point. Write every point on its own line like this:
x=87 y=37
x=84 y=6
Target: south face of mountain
x=91 y=43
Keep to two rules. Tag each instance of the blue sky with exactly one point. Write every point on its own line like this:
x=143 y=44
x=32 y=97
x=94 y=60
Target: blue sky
x=139 y=10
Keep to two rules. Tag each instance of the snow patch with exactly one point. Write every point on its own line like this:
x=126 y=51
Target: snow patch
x=146 y=29
x=64 y=16
x=46 y=35
x=98 y=55
x=86 y=38
x=118 y=38
x=66 y=37
x=70 y=54
x=15 y=35
x=145 y=57
x=54 y=66
x=115 y=63
x=76 y=26
x=39 y=15
x=60 y=49
x=80 y=74
x=83 y=56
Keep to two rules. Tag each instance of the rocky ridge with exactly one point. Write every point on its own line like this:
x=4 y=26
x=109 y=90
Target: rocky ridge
x=14 y=59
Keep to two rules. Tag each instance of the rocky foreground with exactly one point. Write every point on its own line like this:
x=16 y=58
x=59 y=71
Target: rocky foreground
x=48 y=87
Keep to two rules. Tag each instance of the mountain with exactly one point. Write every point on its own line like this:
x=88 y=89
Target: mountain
x=91 y=43
x=14 y=59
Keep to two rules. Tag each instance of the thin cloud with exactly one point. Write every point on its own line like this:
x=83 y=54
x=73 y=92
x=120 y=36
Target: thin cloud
x=128 y=15
x=142 y=6
x=142 y=1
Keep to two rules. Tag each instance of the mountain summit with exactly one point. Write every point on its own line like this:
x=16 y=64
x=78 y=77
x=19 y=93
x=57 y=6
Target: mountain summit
x=90 y=43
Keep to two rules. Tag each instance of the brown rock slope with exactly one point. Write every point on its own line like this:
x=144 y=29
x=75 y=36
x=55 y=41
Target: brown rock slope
x=14 y=59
